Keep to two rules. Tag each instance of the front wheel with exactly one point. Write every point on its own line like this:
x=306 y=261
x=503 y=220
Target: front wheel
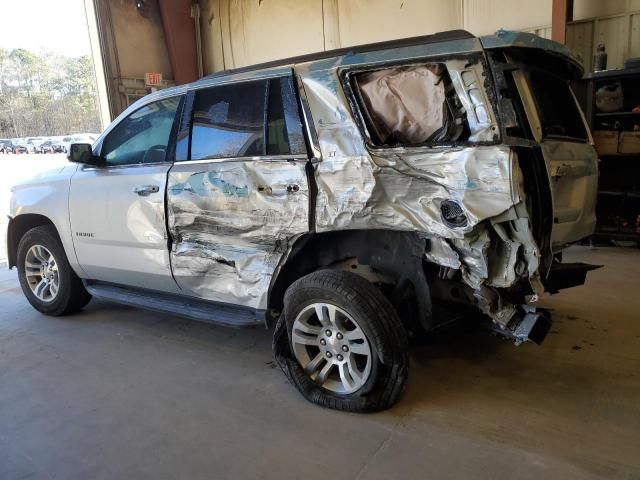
x=46 y=278
x=341 y=343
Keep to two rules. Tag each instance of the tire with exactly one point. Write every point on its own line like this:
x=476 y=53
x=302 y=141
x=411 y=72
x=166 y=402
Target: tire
x=379 y=379
x=71 y=296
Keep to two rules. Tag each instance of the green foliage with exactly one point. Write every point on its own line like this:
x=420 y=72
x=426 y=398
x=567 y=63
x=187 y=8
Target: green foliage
x=44 y=94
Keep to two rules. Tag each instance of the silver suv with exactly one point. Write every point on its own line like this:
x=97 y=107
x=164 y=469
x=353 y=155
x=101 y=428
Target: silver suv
x=351 y=198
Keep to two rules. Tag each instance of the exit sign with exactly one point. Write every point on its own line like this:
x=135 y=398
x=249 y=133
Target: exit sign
x=153 y=79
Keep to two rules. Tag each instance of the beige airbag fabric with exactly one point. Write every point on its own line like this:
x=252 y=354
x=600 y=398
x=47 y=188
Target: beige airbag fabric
x=406 y=103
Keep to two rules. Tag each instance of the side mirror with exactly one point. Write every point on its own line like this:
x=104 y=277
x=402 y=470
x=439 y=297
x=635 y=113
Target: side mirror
x=83 y=153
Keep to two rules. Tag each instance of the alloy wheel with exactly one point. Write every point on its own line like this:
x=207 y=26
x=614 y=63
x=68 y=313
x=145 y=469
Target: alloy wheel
x=331 y=348
x=41 y=272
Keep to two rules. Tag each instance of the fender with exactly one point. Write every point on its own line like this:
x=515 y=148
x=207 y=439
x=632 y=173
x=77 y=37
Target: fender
x=398 y=255
x=43 y=200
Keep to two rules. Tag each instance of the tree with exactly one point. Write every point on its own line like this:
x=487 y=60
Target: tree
x=43 y=94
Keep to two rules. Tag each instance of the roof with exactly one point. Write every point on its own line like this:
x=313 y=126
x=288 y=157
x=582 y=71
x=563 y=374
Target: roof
x=501 y=39
x=534 y=43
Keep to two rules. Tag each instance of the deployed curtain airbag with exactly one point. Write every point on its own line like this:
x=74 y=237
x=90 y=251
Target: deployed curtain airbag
x=406 y=105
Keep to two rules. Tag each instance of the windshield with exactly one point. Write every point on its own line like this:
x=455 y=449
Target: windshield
x=559 y=113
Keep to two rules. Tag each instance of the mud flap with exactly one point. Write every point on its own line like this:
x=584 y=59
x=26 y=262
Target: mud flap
x=567 y=275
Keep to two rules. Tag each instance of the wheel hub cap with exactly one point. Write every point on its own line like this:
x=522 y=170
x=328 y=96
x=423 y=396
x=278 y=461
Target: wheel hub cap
x=331 y=348
x=41 y=273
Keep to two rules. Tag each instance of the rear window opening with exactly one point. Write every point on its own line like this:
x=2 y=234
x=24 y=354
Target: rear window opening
x=557 y=107
x=410 y=106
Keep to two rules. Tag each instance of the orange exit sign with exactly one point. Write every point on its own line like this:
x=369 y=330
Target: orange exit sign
x=153 y=79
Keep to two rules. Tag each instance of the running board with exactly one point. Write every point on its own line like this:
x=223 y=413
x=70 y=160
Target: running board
x=189 y=307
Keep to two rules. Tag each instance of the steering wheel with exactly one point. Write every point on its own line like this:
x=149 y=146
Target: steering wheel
x=153 y=154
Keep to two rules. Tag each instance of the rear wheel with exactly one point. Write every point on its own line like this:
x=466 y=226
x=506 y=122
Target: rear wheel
x=46 y=278
x=341 y=342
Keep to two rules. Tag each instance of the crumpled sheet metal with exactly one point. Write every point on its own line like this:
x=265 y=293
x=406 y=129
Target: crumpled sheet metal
x=401 y=189
x=468 y=81
x=231 y=222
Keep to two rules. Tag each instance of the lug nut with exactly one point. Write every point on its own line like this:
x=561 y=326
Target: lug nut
x=345 y=348
x=323 y=342
x=339 y=336
x=327 y=333
x=340 y=357
x=329 y=355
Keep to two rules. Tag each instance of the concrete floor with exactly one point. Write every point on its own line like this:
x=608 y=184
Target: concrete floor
x=116 y=392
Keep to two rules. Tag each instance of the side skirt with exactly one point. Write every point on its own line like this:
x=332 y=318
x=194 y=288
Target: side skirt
x=183 y=306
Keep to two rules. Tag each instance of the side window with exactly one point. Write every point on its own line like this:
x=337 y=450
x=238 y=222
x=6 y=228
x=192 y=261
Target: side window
x=143 y=136
x=228 y=121
x=257 y=118
x=410 y=106
x=284 y=129
x=277 y=138
x=558 y=111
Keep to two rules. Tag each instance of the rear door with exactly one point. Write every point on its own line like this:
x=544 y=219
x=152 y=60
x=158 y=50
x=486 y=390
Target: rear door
x=238 y=193
x=117 y=212
x=572 y=162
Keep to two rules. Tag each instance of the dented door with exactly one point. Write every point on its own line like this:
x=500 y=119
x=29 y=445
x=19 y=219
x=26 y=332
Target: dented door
x=574 y=183
x=242 y=196
x=559 y=126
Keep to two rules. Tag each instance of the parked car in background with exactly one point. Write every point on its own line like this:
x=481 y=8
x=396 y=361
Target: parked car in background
x=350 y=198
x=6 y=146
x=66 y=143
x=45 y=147
x=58 y=146
x=21 y=146
x=77 y=138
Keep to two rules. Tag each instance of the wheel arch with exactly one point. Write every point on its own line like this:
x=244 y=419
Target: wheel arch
x=398 y=255
x=18 y=226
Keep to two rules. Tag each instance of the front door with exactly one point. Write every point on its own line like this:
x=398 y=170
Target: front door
x=117 y=212
x=241 y=196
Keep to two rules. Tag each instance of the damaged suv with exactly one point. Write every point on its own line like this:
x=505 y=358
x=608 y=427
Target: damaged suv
x=350 y=198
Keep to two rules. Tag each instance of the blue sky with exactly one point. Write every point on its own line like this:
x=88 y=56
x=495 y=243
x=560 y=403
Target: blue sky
x=58 y=26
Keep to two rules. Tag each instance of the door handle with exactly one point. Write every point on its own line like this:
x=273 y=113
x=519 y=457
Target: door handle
x=144 y=190
x=279 y=189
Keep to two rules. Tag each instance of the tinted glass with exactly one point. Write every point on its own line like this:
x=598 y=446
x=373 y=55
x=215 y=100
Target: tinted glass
x=143 y=136
x=278 y=139
x=228 y=121
x=557 y=108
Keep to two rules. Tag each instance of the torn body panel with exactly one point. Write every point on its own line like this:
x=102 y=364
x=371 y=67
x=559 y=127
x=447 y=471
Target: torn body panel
x=398 y=188
x=230 y=224
x=452 y=178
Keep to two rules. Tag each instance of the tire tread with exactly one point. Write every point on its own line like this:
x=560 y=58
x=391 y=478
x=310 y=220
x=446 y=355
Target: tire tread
x=387 y=334
x=75 y=296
